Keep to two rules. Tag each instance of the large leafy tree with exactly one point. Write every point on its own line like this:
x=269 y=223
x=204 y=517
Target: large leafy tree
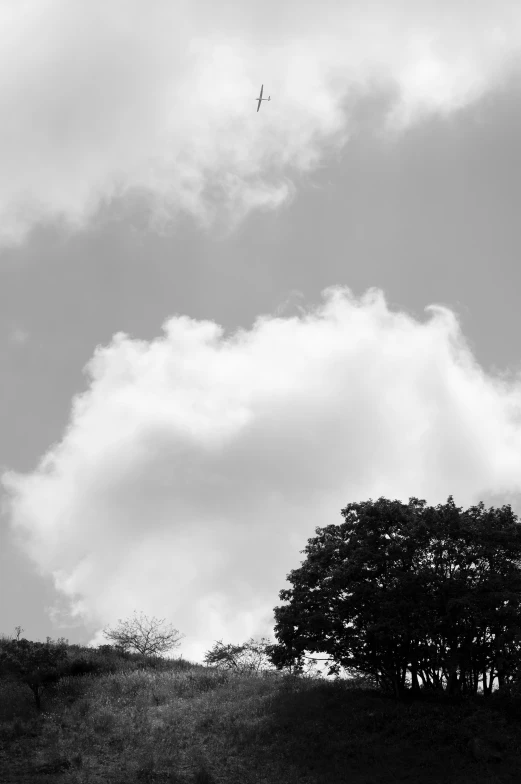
x=405 y=588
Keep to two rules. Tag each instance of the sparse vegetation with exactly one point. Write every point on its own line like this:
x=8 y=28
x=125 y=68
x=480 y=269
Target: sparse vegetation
x=131 y=719
x=143 y=635
x=396 y=589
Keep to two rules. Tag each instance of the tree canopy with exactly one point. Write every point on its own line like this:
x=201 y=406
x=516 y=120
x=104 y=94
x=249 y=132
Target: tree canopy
x=36 y=664
x=247 y=658
x=144 y=636
x=399 y=589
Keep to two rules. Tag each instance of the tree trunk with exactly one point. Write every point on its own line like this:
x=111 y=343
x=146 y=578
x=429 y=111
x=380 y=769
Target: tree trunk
x=501 y=672
x=453 y=682
x=36 y=691
x=415 y=684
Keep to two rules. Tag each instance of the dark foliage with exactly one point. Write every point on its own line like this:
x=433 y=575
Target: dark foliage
x=82 y=667
x=404 y=588
x=36 y=664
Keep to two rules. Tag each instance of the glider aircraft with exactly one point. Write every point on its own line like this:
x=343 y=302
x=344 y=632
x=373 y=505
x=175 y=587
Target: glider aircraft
x=260 y=98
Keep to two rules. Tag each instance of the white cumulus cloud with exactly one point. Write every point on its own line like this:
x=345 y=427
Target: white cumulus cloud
x=195 y=466
x=127 y=99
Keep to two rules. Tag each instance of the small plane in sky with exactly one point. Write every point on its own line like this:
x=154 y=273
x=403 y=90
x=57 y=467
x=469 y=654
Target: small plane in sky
x=260 y=98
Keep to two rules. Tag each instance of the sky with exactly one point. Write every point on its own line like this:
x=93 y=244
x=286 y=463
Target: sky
x=219 y=327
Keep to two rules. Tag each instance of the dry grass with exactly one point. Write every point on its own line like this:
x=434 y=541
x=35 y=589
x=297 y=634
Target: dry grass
x=198 y=726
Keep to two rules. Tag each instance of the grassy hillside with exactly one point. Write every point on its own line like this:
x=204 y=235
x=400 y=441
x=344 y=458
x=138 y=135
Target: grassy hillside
x=188 y=724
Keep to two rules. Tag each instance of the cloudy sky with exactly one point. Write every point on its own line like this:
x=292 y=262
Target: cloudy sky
x=219 y=327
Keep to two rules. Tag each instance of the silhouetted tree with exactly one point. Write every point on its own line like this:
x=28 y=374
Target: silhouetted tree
x=401 y=588
x=144 y=636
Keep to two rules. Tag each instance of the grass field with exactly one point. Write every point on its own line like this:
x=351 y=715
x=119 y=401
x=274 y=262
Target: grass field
x=188 y=724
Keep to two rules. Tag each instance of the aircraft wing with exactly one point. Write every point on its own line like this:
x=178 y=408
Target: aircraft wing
x=260 y=97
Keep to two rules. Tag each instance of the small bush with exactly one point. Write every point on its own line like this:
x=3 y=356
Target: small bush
x=104 y=721
x=70 y=689
x=83 y=667
x=203 y=776
x=12 y=730
x=204 y=682
x=181 y=664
